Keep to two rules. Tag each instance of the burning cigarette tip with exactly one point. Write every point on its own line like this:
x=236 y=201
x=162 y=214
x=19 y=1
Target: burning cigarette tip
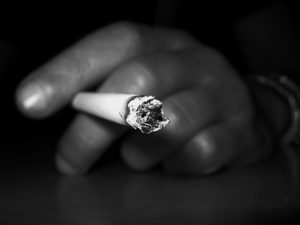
x=144 y=113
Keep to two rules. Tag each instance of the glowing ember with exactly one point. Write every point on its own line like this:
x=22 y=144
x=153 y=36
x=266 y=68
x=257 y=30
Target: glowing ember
x=145 y=113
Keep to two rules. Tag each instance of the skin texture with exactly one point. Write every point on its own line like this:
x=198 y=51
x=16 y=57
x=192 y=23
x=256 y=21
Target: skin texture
x=214 y=123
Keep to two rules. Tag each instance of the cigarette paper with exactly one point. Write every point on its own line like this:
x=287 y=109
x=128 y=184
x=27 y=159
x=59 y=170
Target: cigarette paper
x=144 y=113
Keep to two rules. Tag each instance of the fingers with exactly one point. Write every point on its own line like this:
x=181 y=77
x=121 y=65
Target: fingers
x=223 y=145
x=87 y=63
x=84 y=142
x=206 y=152
x=86 y=139
x=155 y=73
x=188 y=111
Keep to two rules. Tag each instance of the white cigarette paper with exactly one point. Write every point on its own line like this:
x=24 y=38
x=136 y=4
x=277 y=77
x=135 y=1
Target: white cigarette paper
x=139 y=112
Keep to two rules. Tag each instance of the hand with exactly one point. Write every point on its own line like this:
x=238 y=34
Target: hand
x=213 y=119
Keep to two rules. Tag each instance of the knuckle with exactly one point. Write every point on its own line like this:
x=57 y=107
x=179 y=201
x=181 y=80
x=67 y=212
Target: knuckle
x=141 y=73
x=184 y=111
x=180 y=117
x=217 y=70
x=134 y=77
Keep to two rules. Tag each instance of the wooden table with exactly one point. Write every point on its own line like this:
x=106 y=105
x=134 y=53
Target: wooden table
x=33 y=192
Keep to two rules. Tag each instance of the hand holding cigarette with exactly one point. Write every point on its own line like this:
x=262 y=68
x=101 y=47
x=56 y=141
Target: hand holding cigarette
x=213 y=119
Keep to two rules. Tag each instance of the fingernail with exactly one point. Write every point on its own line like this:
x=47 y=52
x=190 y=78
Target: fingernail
x=65 y=167
x=32 y=97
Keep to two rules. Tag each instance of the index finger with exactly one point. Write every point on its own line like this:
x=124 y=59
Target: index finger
x=86 y=63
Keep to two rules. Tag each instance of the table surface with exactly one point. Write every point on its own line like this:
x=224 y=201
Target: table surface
x=33 y=192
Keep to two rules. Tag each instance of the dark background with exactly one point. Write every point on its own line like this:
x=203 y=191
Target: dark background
x=36 y=33
x=33 y=192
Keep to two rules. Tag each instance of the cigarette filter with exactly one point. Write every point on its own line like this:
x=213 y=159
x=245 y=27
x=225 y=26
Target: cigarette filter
x=144 y=113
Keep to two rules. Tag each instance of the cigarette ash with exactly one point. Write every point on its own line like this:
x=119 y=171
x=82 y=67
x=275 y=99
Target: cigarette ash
x=145 y=113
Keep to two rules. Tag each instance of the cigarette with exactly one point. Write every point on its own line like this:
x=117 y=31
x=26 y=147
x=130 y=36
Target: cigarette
x=140 y=112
